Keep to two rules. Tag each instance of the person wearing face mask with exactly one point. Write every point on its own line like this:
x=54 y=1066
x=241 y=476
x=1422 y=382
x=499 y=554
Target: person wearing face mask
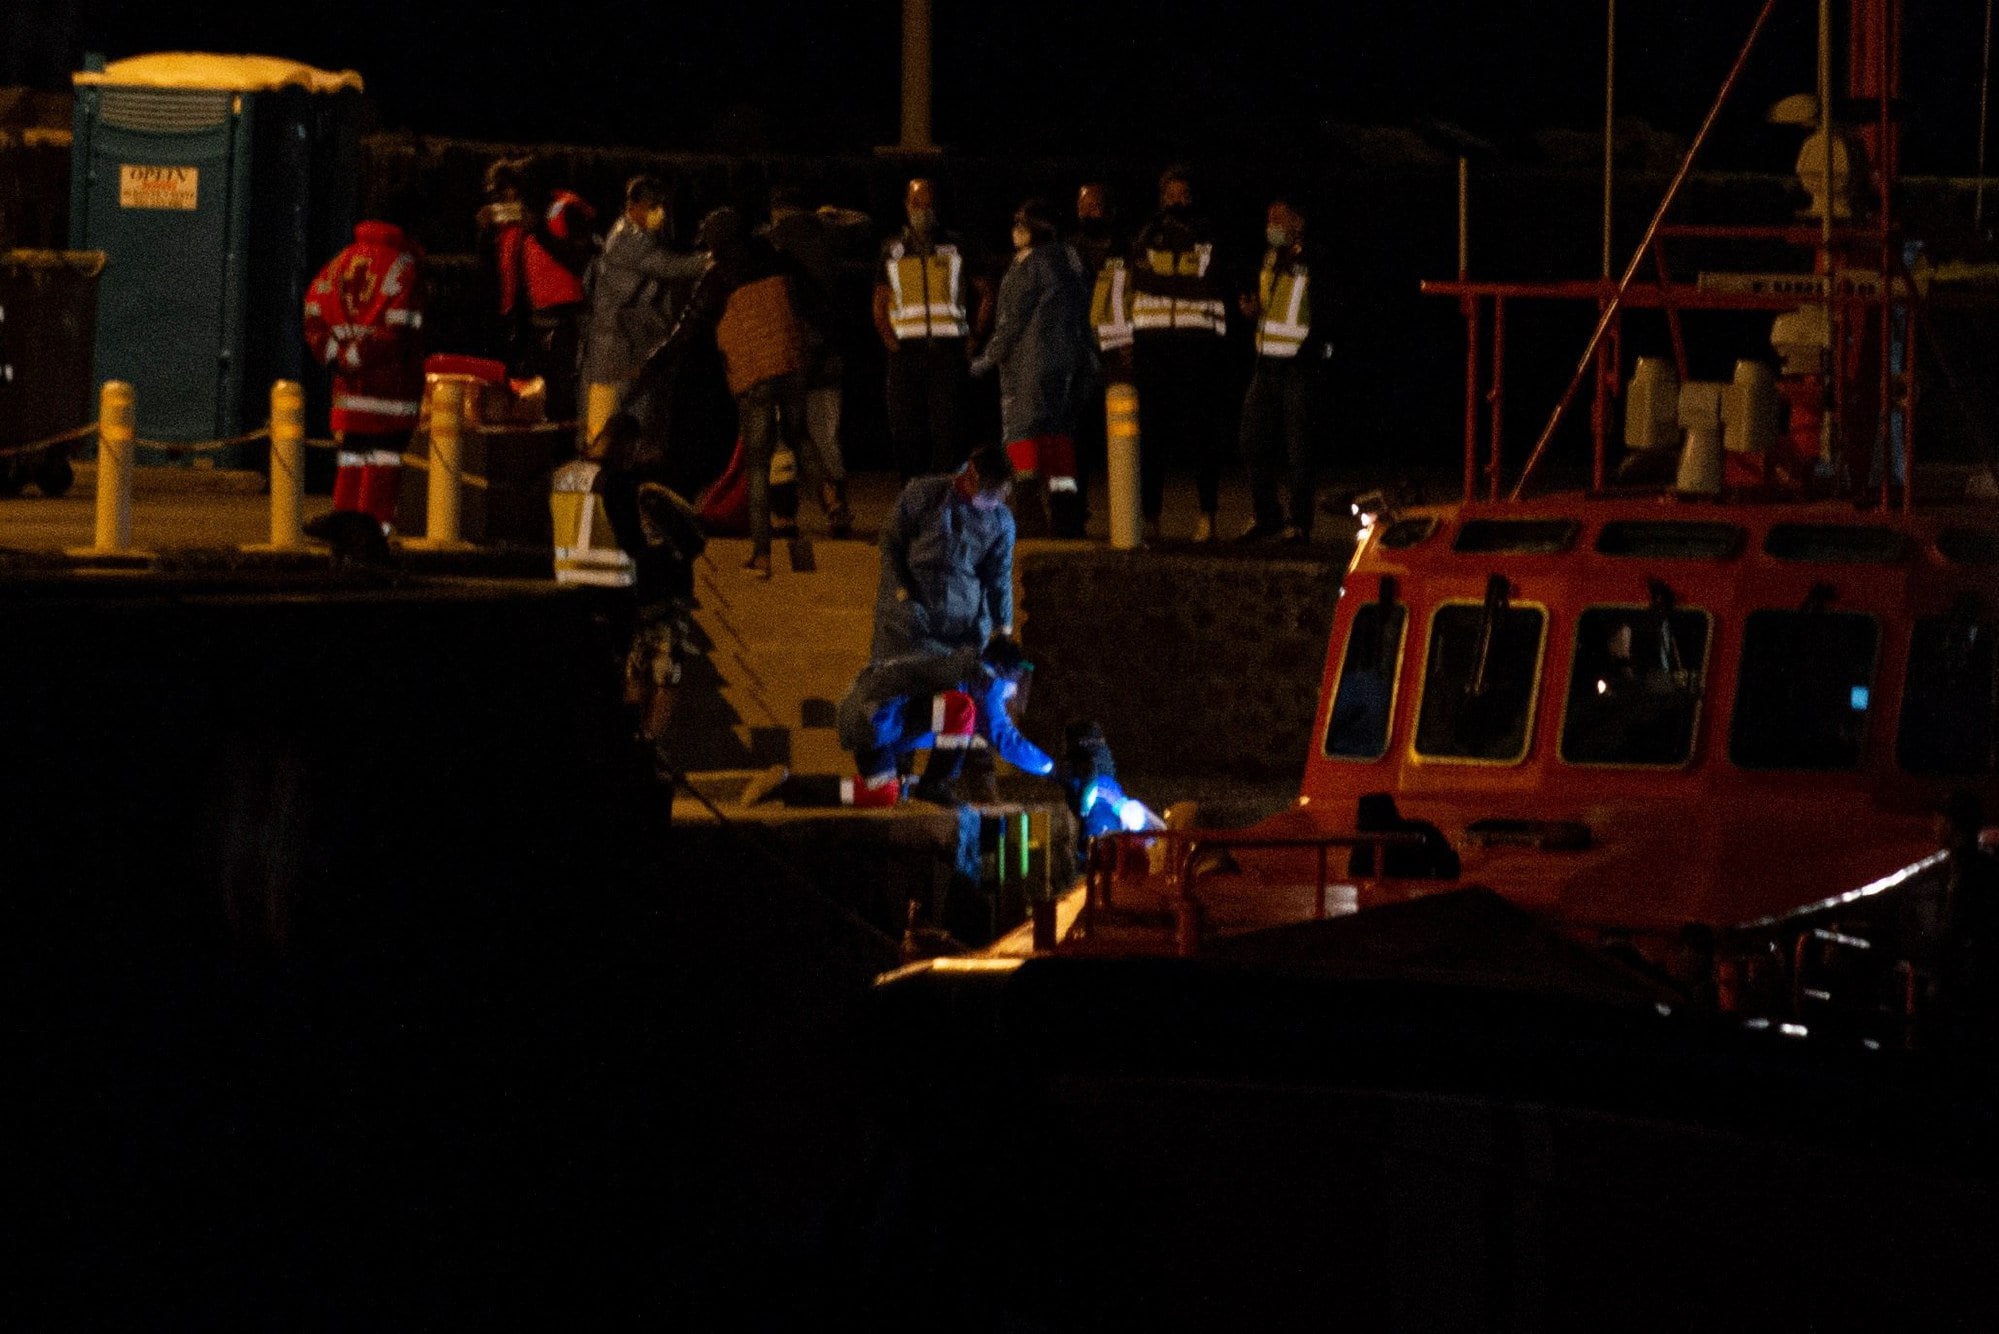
x=633 y=288
x=932 y=304
x=1041 y=347
x=1285 y=404
x=1102 y=253
x=1179 y=319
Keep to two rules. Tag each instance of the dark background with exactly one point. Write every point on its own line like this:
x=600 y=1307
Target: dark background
x=1035 y=76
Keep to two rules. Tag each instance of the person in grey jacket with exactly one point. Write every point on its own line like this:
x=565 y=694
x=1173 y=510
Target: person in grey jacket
x=632 y=288
x=1044 y=350
x=947 y=561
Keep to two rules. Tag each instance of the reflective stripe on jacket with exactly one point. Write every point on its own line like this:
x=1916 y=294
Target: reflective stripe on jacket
x=1110 y=306
x=364 y=320
x=926 y=291
x=1150 y=311
x=1284 y=307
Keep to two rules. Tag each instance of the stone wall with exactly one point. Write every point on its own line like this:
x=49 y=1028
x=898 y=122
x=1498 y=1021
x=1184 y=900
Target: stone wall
x=1195 y=664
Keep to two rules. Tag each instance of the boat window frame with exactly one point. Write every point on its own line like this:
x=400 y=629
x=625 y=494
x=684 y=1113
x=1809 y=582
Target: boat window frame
x=1791 y=542
x=1481 y=537
x=1910 y=695
x=1700 y=700
x=1735 y=710
x=1394 y=687
x=1735 y=540
x=1533 y=691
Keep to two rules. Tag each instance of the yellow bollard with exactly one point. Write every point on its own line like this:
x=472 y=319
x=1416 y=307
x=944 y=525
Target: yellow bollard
x=447 y=425
x=599 y=405
x=287 y=465
x=1121 y=432
x=116 y=413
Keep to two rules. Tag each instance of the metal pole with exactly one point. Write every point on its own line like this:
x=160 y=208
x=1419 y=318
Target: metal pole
x=1825 y=134
x=1984 y=94
x=916 y=75
x=1609 y=120
x=1616 y=301
x=1464 y=218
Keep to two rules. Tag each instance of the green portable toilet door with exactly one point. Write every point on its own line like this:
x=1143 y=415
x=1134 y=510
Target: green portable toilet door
x=160 y=207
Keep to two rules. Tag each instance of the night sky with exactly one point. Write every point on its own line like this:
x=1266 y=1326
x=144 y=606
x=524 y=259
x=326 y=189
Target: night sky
x=1033 y=77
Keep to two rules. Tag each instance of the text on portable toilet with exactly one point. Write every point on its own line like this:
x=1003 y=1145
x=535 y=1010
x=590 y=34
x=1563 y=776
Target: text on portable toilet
x=158 y=187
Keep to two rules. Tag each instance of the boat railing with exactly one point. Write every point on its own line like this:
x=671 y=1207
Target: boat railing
x=1177 y=856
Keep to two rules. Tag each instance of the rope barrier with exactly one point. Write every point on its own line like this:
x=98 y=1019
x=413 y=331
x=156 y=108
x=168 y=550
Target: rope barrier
x=36 y=446
x=202 y=446
x=264 y=433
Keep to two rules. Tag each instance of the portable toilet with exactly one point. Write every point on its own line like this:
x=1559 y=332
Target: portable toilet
x=215 y=186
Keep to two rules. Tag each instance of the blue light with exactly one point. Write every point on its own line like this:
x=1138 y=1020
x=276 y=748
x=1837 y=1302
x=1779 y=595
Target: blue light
x=1859 y=699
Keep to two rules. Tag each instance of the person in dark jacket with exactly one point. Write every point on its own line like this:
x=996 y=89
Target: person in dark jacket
x=632 y=288
x=1179 y=319
x=1041 y=346
x=947 y=561
x=948 y=704
x=744 y=302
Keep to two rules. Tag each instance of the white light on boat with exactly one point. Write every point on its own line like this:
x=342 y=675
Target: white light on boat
x=1602 y=686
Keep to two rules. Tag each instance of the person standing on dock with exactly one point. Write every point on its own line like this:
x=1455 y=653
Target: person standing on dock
x=933 y=301
x=1042 y=348
x=1285 y=404
x=364 y=322
x=1179 y=319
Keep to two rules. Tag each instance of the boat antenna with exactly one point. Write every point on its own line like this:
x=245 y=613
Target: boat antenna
x=1610 y=116
x=1616 y=302
x=1984 y=93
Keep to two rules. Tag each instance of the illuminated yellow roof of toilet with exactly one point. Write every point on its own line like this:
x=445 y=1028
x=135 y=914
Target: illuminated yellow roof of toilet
x=234 y=74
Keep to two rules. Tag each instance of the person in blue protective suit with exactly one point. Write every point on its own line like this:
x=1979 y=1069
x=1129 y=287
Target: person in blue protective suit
x=948 y=704
x=946 y=578
x=1090 y=782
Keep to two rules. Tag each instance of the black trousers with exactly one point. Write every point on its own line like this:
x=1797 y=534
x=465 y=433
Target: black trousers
x=1180 y=378
x=1282 y=415
x=928 y=380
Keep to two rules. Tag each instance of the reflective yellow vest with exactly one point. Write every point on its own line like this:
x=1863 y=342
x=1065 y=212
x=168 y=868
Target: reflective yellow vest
x=1110 y=306
x=1150 y=311
x=1285 y=308
x=927 y=292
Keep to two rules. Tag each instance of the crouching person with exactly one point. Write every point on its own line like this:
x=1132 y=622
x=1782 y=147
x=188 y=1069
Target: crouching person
x=945 y=704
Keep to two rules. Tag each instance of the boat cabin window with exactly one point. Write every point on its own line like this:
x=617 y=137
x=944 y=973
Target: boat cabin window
x=1969 y=546
x=1948 y=704
x=1849 y=543
x=1635 y=686
x=1807 y=682
x=1405 y=533
x=1671 y=539
x=1518 y=537
x=1479 y=682
x=1365 y=700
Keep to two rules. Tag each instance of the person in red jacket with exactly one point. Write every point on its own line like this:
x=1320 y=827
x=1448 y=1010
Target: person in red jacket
x=539 y=253
x=364 y=320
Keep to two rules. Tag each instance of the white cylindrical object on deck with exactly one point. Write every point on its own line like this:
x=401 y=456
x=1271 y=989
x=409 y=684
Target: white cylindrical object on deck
x=287 y=464
x=116 y=414
x=447 y=417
